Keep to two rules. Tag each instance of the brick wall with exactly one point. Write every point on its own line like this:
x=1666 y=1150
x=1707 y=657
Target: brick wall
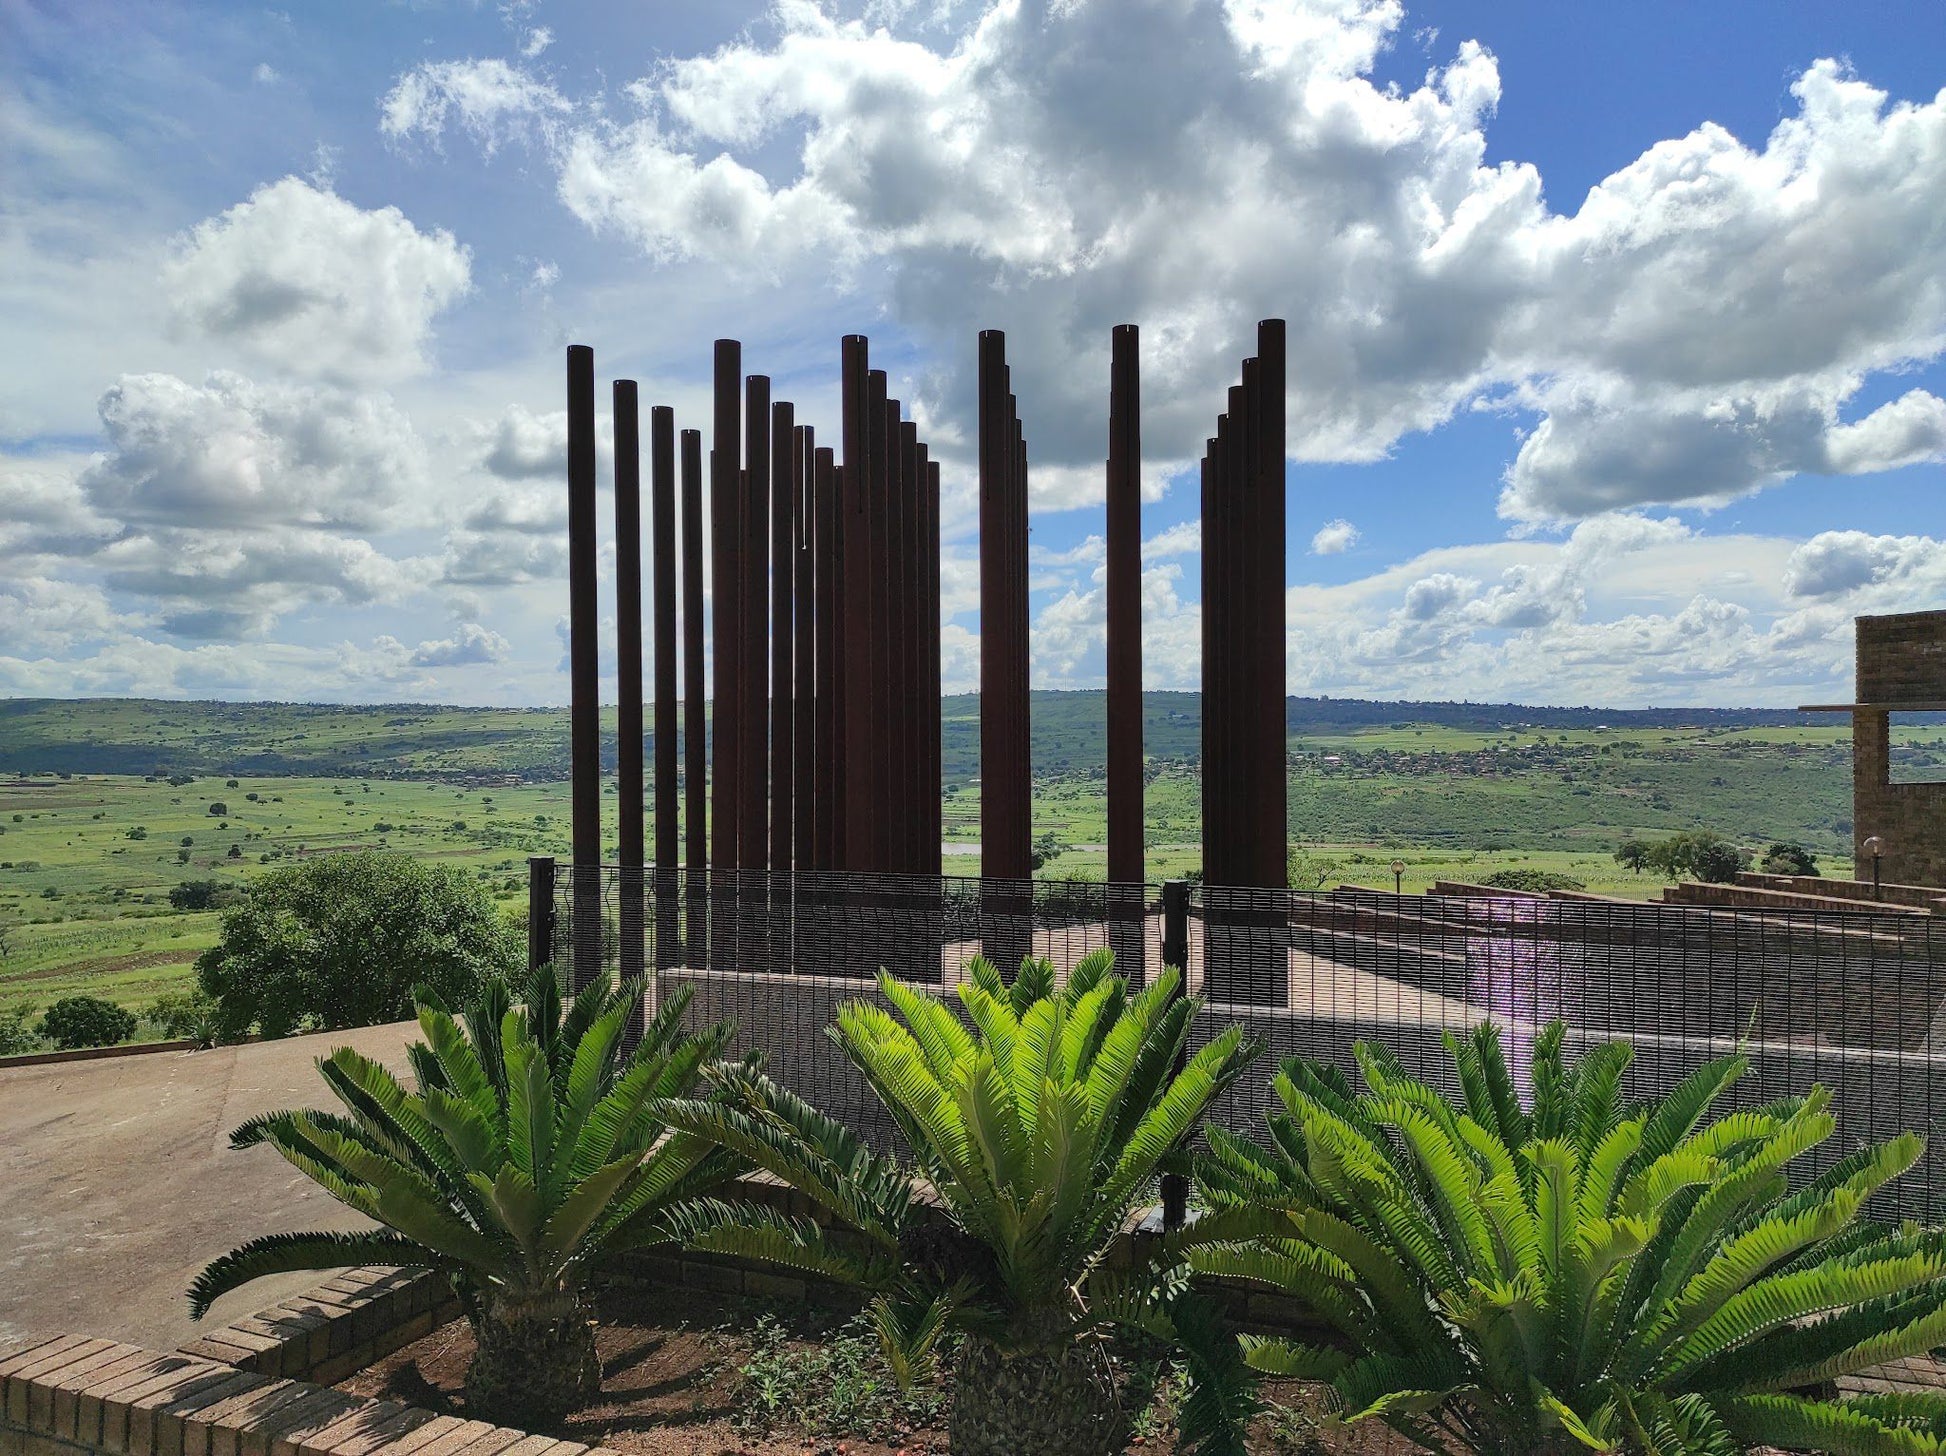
x=1901 y=659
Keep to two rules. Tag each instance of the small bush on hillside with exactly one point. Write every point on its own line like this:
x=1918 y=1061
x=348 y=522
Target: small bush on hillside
x=1789 y=859
x=1539 y=881
x=86 y=1021
x=218 y=809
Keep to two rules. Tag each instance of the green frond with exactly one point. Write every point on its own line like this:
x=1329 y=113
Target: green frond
x=1837 y=1428
x=297 y=1253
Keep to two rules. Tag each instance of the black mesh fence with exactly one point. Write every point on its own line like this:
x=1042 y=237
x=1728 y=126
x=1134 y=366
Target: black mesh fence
x=1846 y=998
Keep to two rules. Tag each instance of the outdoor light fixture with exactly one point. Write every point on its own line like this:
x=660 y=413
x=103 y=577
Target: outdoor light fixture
x=1398 y=877
x=1875 y=847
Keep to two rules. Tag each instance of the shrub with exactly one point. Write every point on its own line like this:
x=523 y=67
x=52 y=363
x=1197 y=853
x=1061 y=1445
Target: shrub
x=532 y=1144
x=218 y=809
x=16 y=1036
x=1590 y=1274
x=140 y=831
x=204 y=895
x=1789 y=859
x=1539 y=881
x=74 y=1022
x=342 y=941
x=186 y=1016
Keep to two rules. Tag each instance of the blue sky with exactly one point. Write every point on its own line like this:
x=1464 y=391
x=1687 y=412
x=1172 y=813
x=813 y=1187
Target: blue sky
x=1616 y=332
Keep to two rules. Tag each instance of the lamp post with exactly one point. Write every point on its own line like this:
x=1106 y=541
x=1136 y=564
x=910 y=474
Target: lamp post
x=1398 y=877
x=1875 y=847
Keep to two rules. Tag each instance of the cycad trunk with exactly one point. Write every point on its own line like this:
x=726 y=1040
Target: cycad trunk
x=535 y=1363
x=1035 y=1404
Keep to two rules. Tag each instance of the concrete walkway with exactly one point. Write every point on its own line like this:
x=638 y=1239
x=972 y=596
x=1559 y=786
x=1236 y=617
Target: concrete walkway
x=117 y=1183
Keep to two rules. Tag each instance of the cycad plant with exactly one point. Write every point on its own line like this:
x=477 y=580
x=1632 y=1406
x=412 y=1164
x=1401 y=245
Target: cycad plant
x=1034 y=1132
x=1587 y=1275
x=530 y=1148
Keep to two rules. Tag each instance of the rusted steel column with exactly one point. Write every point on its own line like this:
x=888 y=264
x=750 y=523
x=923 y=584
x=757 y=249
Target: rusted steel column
x=935 y=749
x=874 y=649
x=753 y=620
x=804 y=658
x=662 y=560
x=695 y=723
x=630 y=848
x=1206 y=566
x=1123 y=590
x=1268 y=670
x=911 y=688
x=854 y=745
x=584 y=661
x=786 y=478
x=896 y=630
x=1244 y=692
x=1004 y=752
x=726 y=538
x=825 y=597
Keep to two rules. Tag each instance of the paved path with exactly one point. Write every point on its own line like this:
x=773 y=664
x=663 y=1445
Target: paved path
x=117 y=1183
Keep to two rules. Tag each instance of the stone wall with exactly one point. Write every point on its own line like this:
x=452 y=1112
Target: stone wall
x=1901 y=659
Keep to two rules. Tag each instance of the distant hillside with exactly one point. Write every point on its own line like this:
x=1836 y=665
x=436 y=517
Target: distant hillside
x=148 y=736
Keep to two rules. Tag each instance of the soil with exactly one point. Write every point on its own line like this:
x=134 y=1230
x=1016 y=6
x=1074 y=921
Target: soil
x=672 y=1386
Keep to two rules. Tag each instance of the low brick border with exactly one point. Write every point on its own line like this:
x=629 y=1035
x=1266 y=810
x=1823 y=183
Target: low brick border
x=94 y=1054
x=342 y=1325
x=68 y=1394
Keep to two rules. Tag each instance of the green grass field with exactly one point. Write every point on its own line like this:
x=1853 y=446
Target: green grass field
x=88 y=856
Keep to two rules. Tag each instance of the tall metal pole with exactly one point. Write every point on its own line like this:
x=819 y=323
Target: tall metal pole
x=826 y=784
x=854 y=743
x=662 y=560
x=630 y=844
x=785 y=483
x=1123 y=589
x=803 y=659
x=1269 y=669
x=726 y=536
x=695 y=723
x=584 y=667
x=934 y=748
x=753 y=824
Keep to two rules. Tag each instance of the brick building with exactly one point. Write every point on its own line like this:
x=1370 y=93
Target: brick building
x=1901 y=669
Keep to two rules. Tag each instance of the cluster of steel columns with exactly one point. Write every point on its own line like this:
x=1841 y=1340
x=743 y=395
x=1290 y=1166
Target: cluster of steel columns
x=824 y=749
x=1244 y=784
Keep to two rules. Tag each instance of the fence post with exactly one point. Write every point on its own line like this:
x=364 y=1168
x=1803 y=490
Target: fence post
x=540 y=910
x=1175 y=952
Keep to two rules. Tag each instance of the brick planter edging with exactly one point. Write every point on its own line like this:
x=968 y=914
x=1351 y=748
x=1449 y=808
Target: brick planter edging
x=342 y=1325
x=69 y=1395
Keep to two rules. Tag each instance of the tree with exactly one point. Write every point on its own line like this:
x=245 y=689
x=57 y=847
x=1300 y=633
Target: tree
x=218 y=809
x=1592 y=1274
x=75 y=1022
x=342 y=940
x=466 y=1183
x=1036 y=1132
x=204 y=895
x=1718 y=862
x=1306 y=871
x=1632 y=854
x=1789 y=859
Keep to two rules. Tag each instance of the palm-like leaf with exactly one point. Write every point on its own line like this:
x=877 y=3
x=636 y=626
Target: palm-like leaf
x=529 y=1144
x=1590 y=1271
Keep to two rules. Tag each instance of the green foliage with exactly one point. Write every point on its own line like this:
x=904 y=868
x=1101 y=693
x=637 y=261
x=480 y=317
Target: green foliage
x=1590 y=1274
x=1632 y=854
x=205 y=895
x=16 y=1036
x=74 y=1022
x=1046 y=849
x=187 y=1016
x=1539 y=881
x=530 y=1146
x=1037 y=1131
x=841 y=1388
x=138 y=832
x=342 y=940
x=1304 y=870
x=1785 y=858
x=1702 y=854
